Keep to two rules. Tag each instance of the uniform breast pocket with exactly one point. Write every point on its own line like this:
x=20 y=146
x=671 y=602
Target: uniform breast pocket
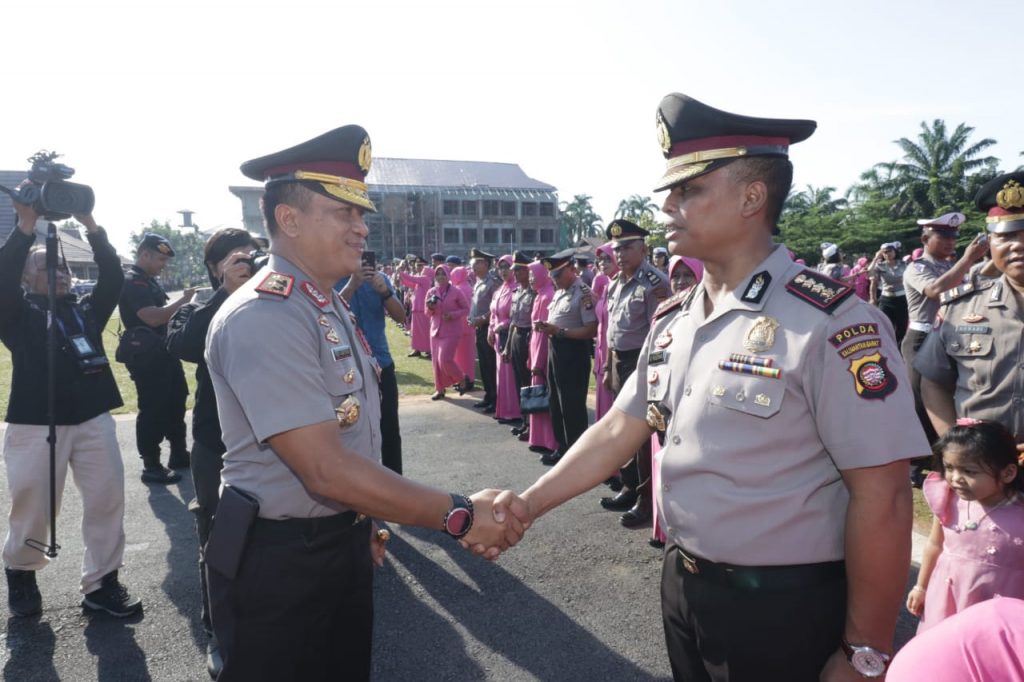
x=758 y=396
x=975 y=352
x=342 y=377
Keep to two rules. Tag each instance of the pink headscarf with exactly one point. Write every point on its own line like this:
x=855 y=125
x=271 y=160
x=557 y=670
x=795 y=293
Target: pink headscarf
x=459 y=275
x=441 y=268
x=600 y=284
x=605 y=251
x=507 y=259
x=541 y=279
x=695 y=266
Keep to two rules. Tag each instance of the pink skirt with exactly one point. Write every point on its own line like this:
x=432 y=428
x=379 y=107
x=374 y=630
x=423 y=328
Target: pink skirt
x=507 y=404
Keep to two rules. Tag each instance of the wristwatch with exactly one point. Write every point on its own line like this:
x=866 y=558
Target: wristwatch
x=869 y=662
x=459 y=518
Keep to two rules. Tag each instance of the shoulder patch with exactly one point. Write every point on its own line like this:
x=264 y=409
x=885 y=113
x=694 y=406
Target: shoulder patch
x=820 y=291
x=652 y=278
x=671 y=303
x=963 y=290
x=277 y=283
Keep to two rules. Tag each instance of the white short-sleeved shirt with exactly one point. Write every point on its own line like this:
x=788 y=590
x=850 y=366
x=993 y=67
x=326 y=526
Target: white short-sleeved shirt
x=750 y=470
x=284 y=355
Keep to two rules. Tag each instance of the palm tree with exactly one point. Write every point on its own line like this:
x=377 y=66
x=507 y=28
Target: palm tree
x=636 y=207
x=579 y=219
x=815 y=200
x=938 y=170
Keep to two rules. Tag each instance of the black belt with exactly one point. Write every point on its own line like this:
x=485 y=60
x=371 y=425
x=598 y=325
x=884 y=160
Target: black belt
x=525 y=330
x=761 y=577
x=290 y=529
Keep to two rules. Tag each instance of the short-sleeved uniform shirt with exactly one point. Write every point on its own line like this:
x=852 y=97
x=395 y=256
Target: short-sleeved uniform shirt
x=916 y=277
x=483 y=292
x=890 y=277
x=283 y=355
x=631 y=306
x=978 y=353
x=522 y=307
x=572 y=307
x=140 y=291
x=750 y=470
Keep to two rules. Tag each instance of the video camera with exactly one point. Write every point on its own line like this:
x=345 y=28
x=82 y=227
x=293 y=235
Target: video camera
x=49 y=193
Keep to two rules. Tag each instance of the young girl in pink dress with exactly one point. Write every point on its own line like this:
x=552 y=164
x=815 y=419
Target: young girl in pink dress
x=447 y=308
x=976 y=548
x=465 y=355
x=507 y=403
x=542 y=433
x=419 y=325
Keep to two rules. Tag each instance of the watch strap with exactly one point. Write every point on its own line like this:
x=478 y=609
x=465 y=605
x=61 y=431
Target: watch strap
x=459 y=503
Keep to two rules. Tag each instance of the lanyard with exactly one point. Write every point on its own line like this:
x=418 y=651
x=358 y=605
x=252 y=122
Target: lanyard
x=78 y=318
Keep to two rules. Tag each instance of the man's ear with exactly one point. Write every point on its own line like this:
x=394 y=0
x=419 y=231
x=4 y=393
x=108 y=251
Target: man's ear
x=754 y=199
x=286 y=218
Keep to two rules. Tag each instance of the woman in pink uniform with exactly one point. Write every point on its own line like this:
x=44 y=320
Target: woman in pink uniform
x=607 y=268
x=419 y=325
x=683 y=273
x=465 y=355
x=507 y=403
x=447 y=308
x=542 y=434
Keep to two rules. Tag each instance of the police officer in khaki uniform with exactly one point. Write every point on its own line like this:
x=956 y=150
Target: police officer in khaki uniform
x=633 y=295
x=970 y=364
x=487 y=282
x=924 y=282
x=291 y=552
x=517 y=348
x=571 y=326
x=788 y=539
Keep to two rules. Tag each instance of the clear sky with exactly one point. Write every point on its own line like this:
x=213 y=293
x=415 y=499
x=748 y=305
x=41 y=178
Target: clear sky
x=157 y=103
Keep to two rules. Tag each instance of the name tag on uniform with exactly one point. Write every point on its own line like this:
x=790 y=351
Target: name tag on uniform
x=341 y=352
x=973 y=329
x=657 y=357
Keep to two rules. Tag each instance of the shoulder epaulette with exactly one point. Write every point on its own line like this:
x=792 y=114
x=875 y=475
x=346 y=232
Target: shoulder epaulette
x=962 y=290
x=824 y=293
x=671 y=303
x=652 y=278
x=276 y=283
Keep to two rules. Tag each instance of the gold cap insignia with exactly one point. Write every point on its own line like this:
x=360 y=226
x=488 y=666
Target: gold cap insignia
x=365 y=156
x=664 y=139
x=1010 y=196
x=616 y=230
x=163 y=248
x=761 y=337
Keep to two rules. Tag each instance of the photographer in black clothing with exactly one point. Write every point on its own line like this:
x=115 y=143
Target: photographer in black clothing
x=228 y=263
x=86 y=437
x=159 y=378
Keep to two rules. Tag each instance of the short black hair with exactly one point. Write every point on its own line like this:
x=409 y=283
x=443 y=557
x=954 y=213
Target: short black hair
x=220 y=244
x=989 y=443
x=290 y=193
x=776 y=172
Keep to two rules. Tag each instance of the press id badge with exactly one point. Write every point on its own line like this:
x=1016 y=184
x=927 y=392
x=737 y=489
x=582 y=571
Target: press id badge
x=89 y=358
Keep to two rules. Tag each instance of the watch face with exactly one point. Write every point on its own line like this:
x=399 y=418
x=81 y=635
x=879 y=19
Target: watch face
x=458 y=521
x=868 y=663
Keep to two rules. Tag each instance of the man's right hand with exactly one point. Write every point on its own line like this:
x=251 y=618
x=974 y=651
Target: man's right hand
x=189 y=293
x=234 y=271
x=977 y=249
x=27 y=215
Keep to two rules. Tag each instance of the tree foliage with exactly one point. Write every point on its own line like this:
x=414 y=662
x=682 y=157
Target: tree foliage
x=187 y=267
x=579 y=219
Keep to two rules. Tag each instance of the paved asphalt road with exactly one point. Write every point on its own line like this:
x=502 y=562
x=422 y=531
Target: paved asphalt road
x=576 y=600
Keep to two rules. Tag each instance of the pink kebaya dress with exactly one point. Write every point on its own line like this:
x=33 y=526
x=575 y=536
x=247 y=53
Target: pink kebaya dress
x=542 y=433
x=419 y=325
x=507 y=399
x=465 y=354
x=446 y=334
x=974 y=565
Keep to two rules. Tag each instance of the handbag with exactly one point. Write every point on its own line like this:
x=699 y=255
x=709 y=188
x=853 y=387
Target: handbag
x=534 y=399
x=139 y=347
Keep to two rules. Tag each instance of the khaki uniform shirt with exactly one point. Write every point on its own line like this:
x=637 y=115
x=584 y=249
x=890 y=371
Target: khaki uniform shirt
x=522 y=307
x=916 y=277
x=283 y=355
x=750 y=470
x=631 y=306
x=572 y=307
x=483 y=292
x=977 y=352
x=890 y=278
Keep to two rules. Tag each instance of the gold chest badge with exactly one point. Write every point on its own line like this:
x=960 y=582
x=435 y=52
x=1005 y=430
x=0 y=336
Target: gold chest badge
x=348 y=411
x=761 y=337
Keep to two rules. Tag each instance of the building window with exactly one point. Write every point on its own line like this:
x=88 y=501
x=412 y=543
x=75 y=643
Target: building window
x=469 y=208
x=490 y=208
x=451 y=207
x=547 y=236
x=451 y=235
x=529 y=235
x=547 y=209
x=529 y=209
x=490 y=235
x=508 y=235
x=508 y=209
x=469 y=236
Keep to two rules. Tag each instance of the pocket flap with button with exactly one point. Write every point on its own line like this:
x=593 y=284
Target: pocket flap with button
x=759 y=396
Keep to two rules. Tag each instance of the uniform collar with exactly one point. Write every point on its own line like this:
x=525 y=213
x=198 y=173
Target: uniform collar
x=304 y=286
x=998 y=293
x=755 y=290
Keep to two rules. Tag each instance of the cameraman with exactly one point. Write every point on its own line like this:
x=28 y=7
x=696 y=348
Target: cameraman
x=228 y=257
x=86 y=435
x=159 y=378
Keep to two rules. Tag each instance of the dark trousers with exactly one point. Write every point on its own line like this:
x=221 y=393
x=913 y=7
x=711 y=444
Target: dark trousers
x=568 y=380
x=636 y=473
x=390 y=432
x=162 y=392
x=716 y=633
x=488 y=365
x=911 y=344
x=206 y=465
x=519 y=353
x=300 y=608
x=895 y=308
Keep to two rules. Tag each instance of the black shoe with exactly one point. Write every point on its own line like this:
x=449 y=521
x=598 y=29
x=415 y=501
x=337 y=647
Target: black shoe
x=214 y=662
x=489 y=409
x=159 y=474
x=438 y=395
x=506 y=422
x=464 y=387
x=615 y=483
x=481 y=403
x=415 y=354
x=113 y=598
x=656 y=543
x=470 y=386
x=179 y=459
x=22 y=593
x=524 y=435
x=522 y=428
x=624 y=501
x=550 y=459
x=637 y=517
